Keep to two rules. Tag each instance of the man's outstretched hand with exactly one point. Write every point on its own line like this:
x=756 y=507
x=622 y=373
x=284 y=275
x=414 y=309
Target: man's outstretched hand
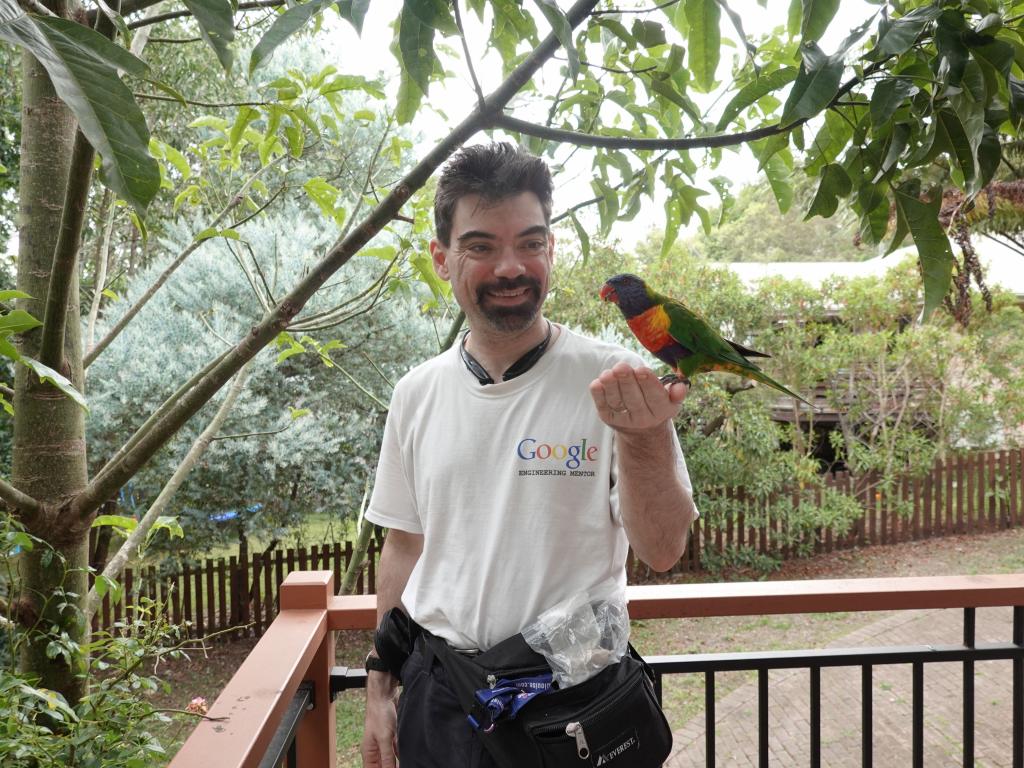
x=634 y=399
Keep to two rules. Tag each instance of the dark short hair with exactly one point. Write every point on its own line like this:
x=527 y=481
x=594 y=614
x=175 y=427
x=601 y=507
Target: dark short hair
x=494 y=172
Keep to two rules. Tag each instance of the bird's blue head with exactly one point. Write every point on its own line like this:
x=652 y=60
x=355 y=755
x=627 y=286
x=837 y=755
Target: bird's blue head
x=629 y=292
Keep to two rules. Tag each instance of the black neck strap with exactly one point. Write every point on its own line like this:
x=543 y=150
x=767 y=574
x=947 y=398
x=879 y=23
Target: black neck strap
x=518 y=368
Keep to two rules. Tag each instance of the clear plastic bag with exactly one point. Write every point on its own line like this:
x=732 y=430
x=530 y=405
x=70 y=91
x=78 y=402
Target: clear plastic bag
x=582 y=635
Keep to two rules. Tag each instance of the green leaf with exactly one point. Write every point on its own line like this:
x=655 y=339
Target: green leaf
x=9 y=350
x=206 y=234
x=435 y=14
x=18 y=321
x=354 y=12
x=190 y=193
x=895 y=37
x=794 y=18
x=829 y=142
x=897 y=144
x=8 y=295
x=705 y=41
x=284 y=26
x=649 y=34
x=384 y=252
x=815 y=86
x=82 y=65
x=582 y=235
x=47 y=374
x=950 y=131
x=101 y=585
x=170 y=90
x=875 y=209
x=834 y=184
x=563 y=31
x=166 y=523
x=416 y=46
x=933 y=249
x=216 y=25
x=817 y=15
x=298 y=413
x=409 y=98
x=121 y=522
x=1016 y=88
x=111 y=294
x=424 y=268
x=778 y=174
x=887 y=97
x=246 y=115
x=990 y=152
x=174 y=157
x=364 y=114
x=753 y=91
x=953 y=54
x=292 y=347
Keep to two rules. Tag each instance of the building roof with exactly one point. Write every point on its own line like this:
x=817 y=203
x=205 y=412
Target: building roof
x=1004 y=267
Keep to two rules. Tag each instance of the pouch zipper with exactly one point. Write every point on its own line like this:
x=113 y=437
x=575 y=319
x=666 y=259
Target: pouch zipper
x=575 y=729
x=577 y=725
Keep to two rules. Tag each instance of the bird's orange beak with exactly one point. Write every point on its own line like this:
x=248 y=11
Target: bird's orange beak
x=608 y=293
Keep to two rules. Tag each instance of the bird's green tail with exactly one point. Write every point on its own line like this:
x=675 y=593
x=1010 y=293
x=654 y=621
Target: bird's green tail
x=764 y=378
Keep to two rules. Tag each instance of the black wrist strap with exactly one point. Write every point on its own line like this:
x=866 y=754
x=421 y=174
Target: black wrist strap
x=375 y=663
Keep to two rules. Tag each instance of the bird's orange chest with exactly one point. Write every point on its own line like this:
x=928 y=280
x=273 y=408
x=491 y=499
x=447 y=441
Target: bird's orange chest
x=651 y=328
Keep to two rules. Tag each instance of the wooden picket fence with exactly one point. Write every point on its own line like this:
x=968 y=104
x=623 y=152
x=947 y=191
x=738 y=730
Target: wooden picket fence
x=224 y=594
x=969 y=493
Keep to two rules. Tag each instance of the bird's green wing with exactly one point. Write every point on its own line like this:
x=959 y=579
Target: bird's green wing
x=693 y=332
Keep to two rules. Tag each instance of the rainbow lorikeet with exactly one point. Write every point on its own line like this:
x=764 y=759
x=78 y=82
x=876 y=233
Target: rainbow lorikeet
x=679 y=337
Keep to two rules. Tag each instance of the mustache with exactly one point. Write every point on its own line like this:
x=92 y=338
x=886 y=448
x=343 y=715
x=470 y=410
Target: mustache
x=506 y=284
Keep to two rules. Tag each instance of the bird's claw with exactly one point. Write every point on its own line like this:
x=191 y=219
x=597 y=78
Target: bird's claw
x=673 y=378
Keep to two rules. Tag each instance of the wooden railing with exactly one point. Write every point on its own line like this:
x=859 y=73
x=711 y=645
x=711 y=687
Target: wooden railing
x=299 y=646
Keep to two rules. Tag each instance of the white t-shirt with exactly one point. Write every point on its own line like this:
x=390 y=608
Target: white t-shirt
x=512 y=485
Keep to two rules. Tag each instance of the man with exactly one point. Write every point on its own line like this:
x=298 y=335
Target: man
x=504 y=486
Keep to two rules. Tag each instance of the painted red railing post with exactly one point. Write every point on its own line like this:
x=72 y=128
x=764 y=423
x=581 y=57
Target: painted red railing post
x=315 y=739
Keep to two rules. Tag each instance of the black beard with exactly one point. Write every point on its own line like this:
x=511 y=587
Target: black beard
x=510 y=319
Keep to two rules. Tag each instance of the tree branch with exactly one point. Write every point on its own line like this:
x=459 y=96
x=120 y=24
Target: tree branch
x=99 y=275
x=20 y=502
x=610 y=11
x=138 y=536
x=119 y=326
x=152 y=439
x=737 y=24
x=212 y=105
x=453 y=332
x=65 y=257
x=34 y=6
x=159 y=413
x=625 y=142
x=250 y=6
x=465 y=49
x=578 y=138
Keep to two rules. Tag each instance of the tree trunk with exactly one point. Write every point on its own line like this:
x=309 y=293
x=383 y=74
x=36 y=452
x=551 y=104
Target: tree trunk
x=49 y=460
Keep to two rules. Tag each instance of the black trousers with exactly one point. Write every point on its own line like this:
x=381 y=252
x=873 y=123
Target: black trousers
x=433 y=731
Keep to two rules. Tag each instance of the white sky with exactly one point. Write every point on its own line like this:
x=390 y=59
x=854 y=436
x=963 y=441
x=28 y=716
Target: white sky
x=369 y=55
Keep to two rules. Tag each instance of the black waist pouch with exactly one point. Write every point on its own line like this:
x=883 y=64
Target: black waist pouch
x=612 y=719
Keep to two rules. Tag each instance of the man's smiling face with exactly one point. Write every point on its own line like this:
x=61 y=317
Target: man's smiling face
x=498 y=261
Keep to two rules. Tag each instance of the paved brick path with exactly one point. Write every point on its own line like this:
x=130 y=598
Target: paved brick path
x=736 y=713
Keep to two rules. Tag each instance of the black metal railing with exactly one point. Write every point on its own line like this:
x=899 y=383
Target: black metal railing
x=282 y=745
x=867 y=659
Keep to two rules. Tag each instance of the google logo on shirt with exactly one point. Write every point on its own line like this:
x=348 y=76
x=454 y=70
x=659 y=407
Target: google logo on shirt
x=574 y=455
